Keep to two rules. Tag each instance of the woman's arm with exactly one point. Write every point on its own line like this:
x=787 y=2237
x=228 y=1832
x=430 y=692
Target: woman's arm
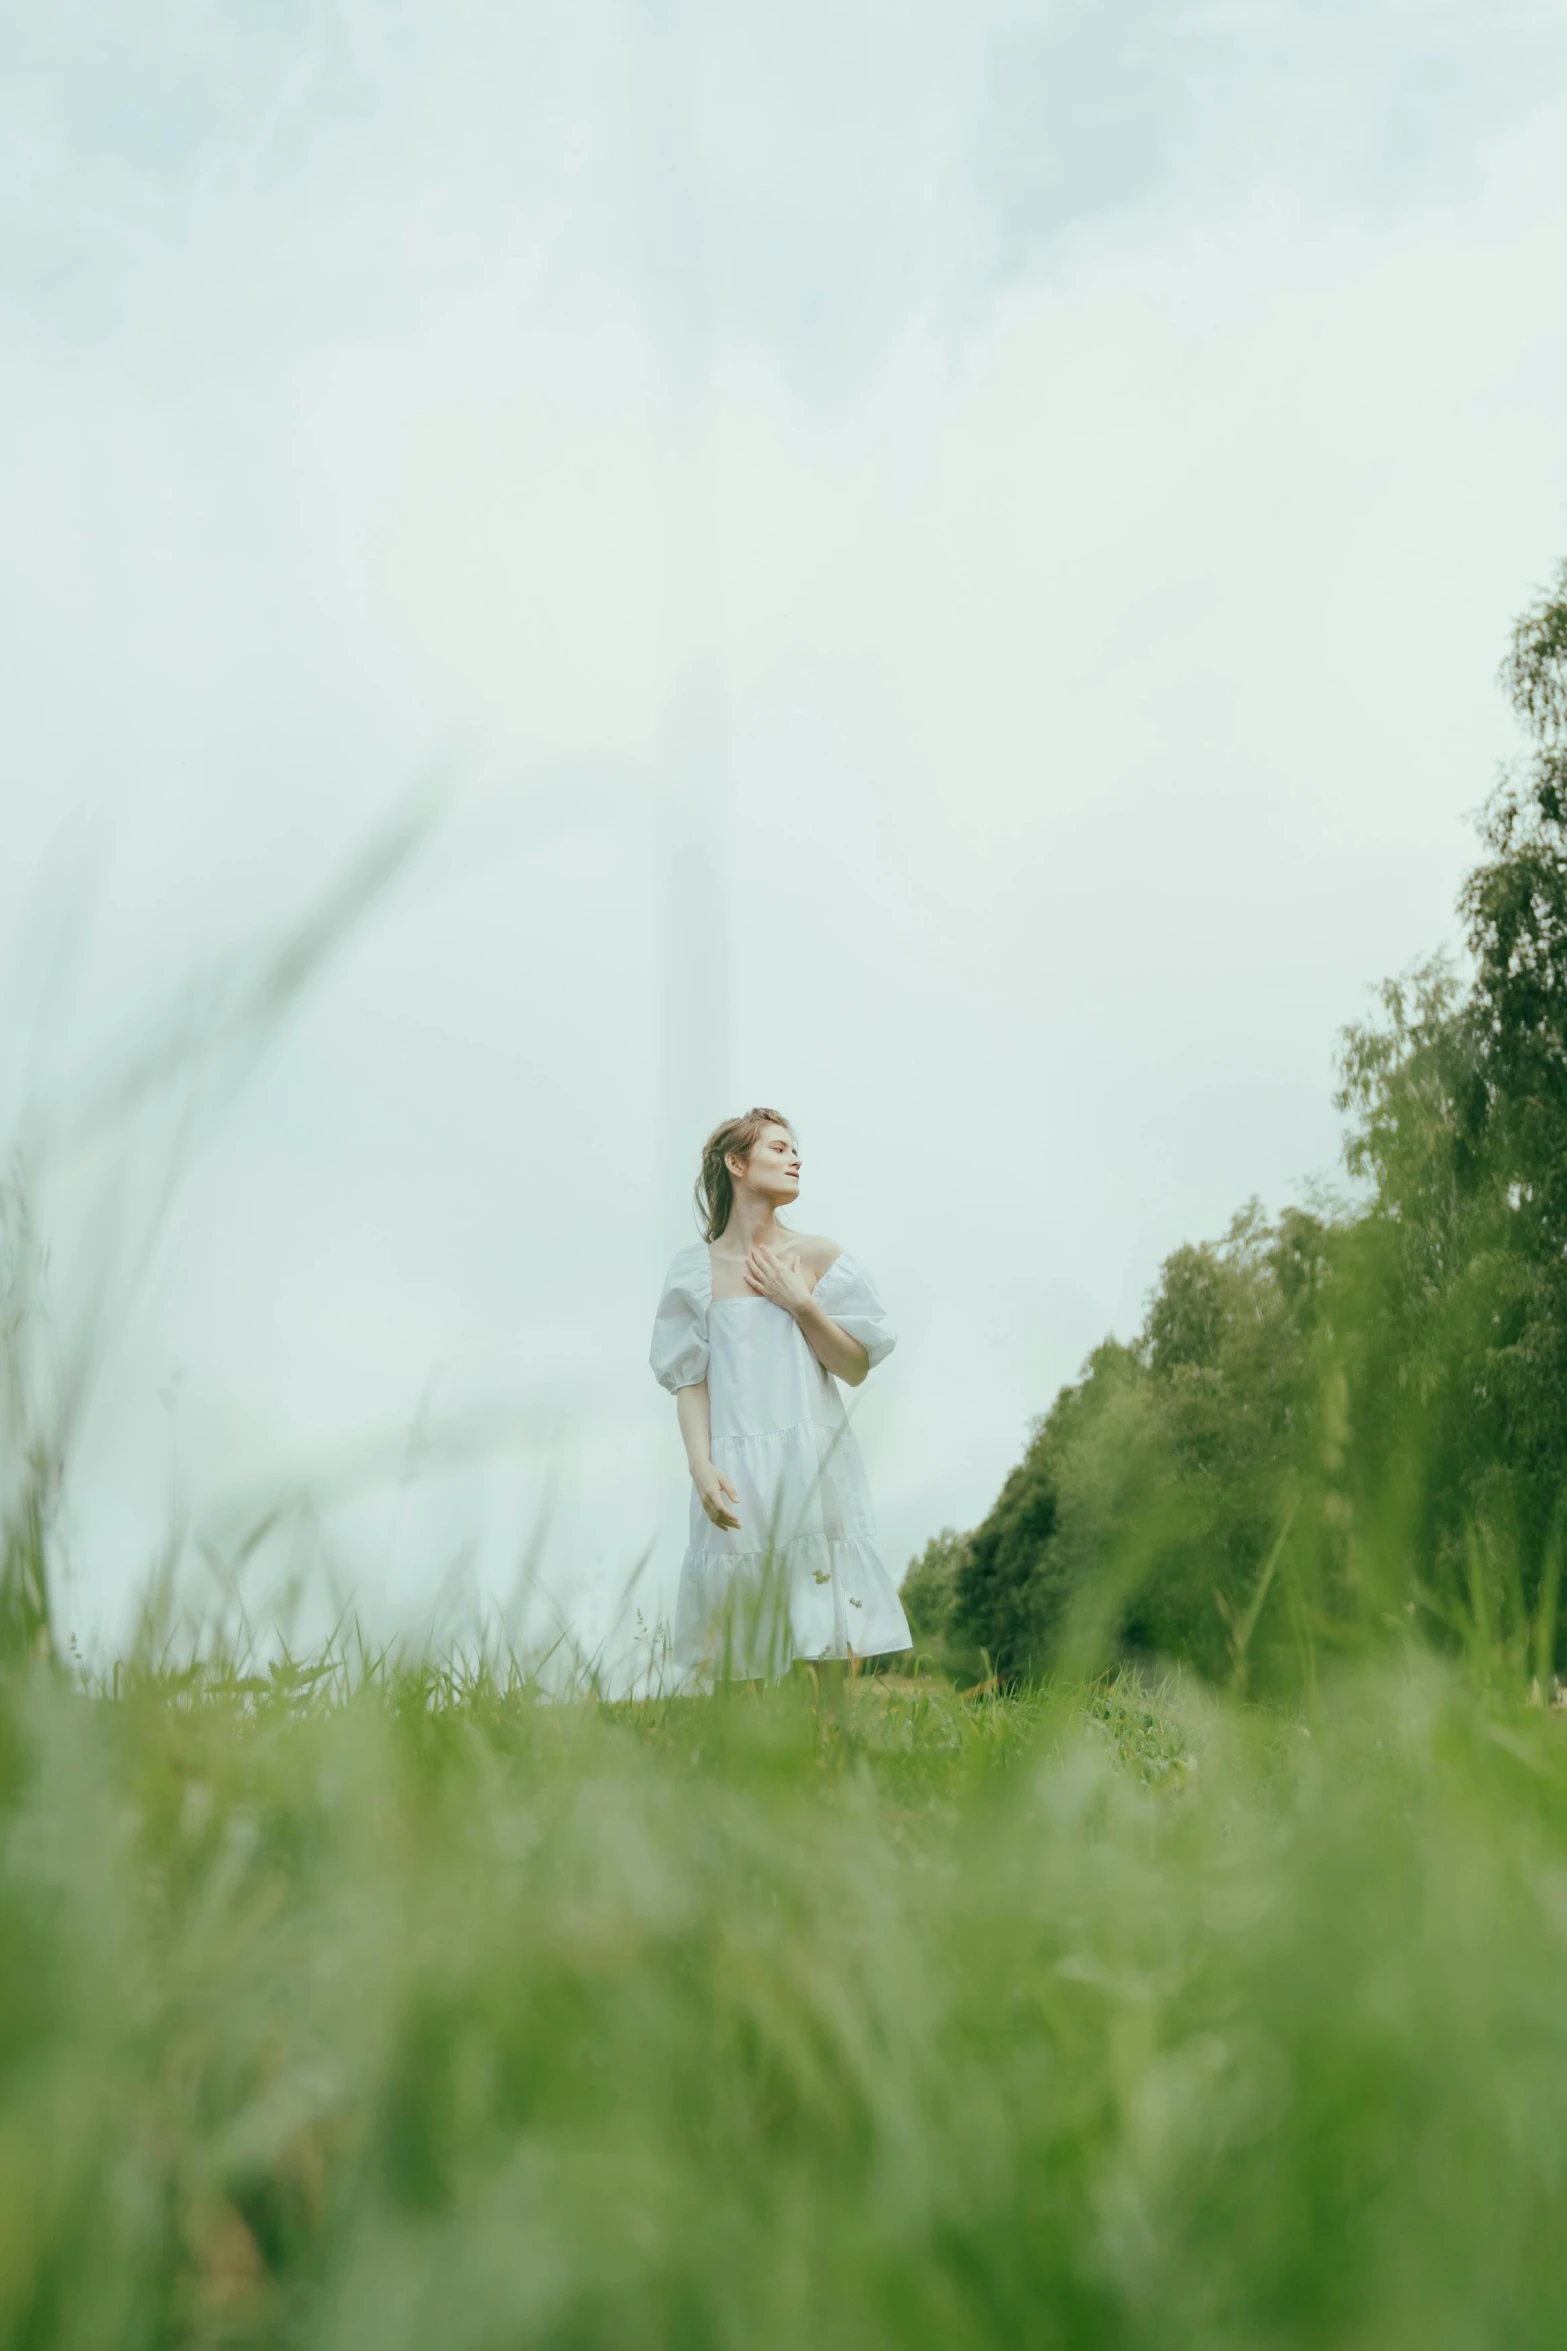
x=829 y=1342
x=695 y=1415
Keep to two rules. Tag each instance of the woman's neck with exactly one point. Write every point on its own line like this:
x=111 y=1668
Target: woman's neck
x=751 y=1221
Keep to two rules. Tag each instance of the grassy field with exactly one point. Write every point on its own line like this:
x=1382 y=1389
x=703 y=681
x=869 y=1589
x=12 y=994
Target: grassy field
x=425 y=2014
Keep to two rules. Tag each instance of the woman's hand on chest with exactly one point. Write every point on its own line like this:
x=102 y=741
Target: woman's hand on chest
x=769 y=1274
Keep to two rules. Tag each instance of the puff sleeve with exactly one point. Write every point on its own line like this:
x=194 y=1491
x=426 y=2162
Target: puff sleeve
x=848 y=1294
x=679 y=1351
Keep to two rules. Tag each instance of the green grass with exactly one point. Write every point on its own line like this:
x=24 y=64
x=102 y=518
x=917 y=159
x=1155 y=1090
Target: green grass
x=430 y=2015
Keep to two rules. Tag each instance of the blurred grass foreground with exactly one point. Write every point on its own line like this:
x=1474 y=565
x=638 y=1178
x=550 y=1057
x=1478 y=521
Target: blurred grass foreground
x=419 y=2013
x=1176 y=1959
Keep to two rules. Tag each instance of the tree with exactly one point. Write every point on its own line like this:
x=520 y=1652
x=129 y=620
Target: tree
x=1459 y=1096
x=1152 y=1488
x=1340 y=1412
x=928 y=1591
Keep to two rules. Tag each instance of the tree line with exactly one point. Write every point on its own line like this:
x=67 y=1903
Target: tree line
x=1350 y=1417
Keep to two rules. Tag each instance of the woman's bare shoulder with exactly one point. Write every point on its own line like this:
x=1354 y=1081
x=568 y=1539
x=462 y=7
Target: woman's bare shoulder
x=816 y=1252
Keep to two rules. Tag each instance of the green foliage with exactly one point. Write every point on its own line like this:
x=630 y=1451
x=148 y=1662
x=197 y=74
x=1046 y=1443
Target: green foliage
x=1335 y=1421
x=1460 y=1105
x=1145 y=1505
x=928 y=1591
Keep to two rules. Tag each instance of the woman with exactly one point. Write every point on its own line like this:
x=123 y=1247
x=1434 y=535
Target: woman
x=756 y=1327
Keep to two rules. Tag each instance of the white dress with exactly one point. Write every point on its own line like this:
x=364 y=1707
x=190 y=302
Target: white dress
x=801 y=1576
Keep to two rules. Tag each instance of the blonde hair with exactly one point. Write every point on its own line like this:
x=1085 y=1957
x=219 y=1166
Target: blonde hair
x=715 y=1191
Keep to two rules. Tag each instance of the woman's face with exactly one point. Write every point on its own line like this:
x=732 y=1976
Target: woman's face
x=773 y=1168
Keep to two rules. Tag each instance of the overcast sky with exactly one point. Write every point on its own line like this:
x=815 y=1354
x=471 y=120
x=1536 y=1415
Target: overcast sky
x=950 y=565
